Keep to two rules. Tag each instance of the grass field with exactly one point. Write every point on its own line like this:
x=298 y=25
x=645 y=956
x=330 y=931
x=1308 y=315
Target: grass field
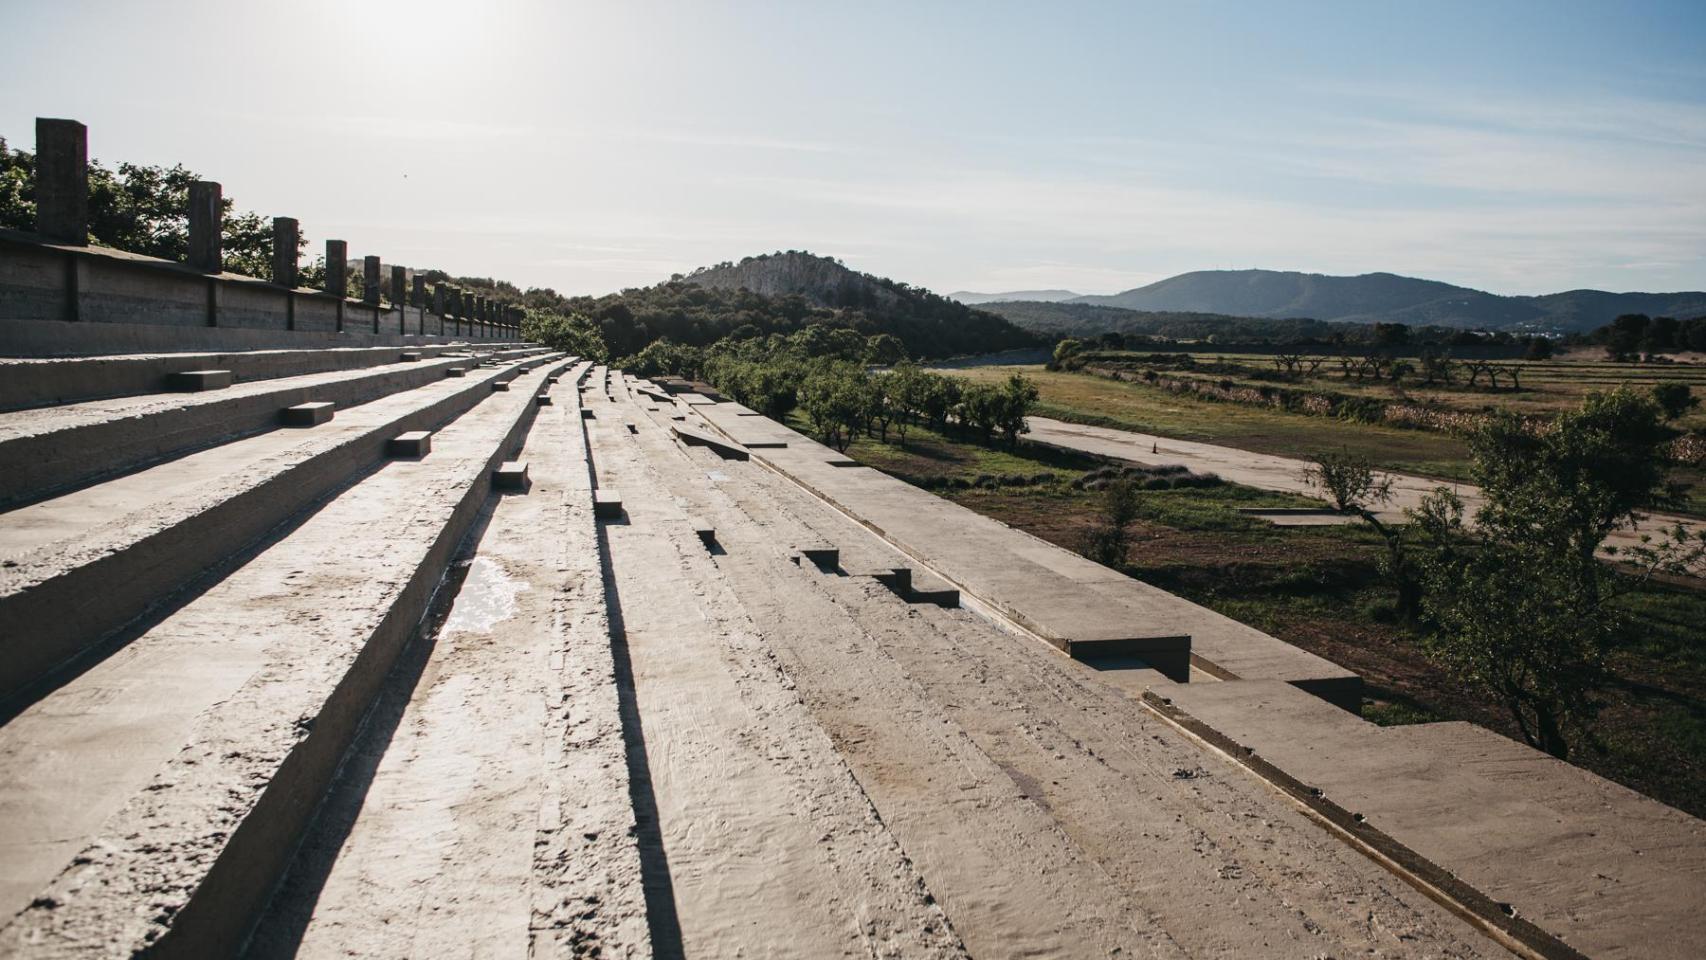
x=1548 y=386
x=1085 y=398
x=1316 y=587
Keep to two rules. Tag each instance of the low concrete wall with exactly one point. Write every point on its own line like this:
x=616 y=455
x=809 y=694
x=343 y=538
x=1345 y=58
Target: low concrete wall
x=44 y=282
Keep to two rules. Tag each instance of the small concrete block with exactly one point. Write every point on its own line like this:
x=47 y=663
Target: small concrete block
x=543 y=399
x=409 y=356
x=196 y=380
x=552 y=381
x=500 y=386
x=632 y=426
x=822 y=554
x=606 y=504
x=704 y=530
x=308 y=414
x=510 y=476
x=415 y=443
x=456 y=371
x=588 y=414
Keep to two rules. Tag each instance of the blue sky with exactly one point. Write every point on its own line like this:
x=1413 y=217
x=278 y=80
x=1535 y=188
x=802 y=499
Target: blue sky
x=1515 y=147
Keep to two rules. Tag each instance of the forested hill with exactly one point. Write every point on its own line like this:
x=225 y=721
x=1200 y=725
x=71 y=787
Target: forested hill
x=1088 y=320
x=1389 y=298
x=782 y=292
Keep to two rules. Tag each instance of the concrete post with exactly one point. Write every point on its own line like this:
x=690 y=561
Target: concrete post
x=438 y=299
x=370 y=280
x=337 y=268
x=62 y=180
x=337 y=275
x=417 y=294
x=207 y=222
x=286 y=232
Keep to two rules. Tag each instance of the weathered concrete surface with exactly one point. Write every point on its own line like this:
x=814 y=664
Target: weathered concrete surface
x=156 y=798
x=769 y=846
x=41 y=382
x=486 y=811
x=1606 y=870
x=78 y=566
x=1268 y=472
x=1053 y=592
x=1046 y=813
x=44 y=450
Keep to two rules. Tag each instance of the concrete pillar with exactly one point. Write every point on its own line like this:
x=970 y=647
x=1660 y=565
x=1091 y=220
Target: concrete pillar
x=370 y=280
x=207 y=223
x=417 y=294
x=399 y=285
x=286 y=232
x=62 y=180
x=337 y=268
x=438 y=299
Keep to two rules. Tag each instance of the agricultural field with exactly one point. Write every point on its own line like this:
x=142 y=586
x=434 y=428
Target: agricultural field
x=1548 y=386
x=1317 y=588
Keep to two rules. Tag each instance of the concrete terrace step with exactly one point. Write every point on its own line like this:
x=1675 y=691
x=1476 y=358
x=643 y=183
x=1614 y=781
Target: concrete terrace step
x=79 y=566
x=55 y=448
x=220 y=727
x=1083 y=608
x=43 y=382
x=1587 y=861
x=494 y=765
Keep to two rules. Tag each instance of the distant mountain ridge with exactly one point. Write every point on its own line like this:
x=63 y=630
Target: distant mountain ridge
x=1389 y=298
x=1036 y=296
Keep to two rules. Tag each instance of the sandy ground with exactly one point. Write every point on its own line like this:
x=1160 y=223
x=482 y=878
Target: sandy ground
x=1269 y=472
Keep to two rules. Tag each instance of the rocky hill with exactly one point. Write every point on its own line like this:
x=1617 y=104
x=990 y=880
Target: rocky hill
x=781 y=292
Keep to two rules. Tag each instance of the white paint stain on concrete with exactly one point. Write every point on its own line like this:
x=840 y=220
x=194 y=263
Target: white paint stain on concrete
x=486 y=599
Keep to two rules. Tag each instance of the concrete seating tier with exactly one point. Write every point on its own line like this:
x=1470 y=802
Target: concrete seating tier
x=81 y=565
x=55 y=448
x=29 y=382
x=231 y=733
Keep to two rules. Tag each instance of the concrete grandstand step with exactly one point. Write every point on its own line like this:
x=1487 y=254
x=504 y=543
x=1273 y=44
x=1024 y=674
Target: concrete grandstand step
x=81 y=565
x=1535 y=840
x=486 y=809
x=44 y=382
x=43 y=451
x=699 y=438
x=180 y=772
x=1056 y=594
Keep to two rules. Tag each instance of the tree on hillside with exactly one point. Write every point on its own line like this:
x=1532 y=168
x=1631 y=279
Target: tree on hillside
x=1526 y=609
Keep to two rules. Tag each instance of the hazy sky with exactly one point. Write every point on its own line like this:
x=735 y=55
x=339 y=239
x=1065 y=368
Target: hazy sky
x=1516 y=147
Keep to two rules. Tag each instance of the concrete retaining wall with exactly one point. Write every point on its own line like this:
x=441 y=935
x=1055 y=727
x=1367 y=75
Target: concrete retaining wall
x=64 y=284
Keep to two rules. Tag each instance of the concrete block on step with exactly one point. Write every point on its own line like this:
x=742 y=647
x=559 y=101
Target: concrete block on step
x=308 y=414
x=414 y=443
x=456 y=371
x=511 y=475
x=193 y=381
x=606 y=504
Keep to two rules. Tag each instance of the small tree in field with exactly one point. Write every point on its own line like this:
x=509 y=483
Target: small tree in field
x=1106 y=541
x=1526 y=610
x=1349 y=481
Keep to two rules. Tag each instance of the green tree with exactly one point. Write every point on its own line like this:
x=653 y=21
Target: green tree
x=1674 y=399
x=1106 y=541
x=1526 y=609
